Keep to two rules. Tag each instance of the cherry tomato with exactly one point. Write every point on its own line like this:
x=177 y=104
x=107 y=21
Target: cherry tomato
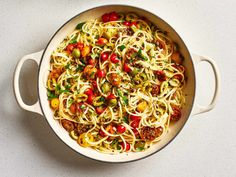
x=102 y=41
x=111 y=96
x=126 y=23
x=106 y=18
x=100 y=110
x=102 y=133
x=133 y=23
x=127 y=68
x=91 y=61
x=136 y=133
x=104 y=56
x=73 y=108
x=101 y=73
x=89 y=91
x=135 y=123
x=121 y=128
x=70 y=48
x=90 y=99
x=94 y=83
x=114 y=58
x=127 y=146
x=132 y=117
x=80 y=45
x=113 y=16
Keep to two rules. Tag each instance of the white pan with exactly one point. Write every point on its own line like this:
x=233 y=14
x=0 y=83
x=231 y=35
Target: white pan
x=42 y=106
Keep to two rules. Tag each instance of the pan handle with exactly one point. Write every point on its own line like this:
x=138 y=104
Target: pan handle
x=199 y=108
x=35 y=107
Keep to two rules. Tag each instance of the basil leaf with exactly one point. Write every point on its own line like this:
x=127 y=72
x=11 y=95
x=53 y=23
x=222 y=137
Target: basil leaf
x=122 y=47
x=51 y=95
x=125 y=119
x=79 y=26
x=79 y=68
x=140 y=149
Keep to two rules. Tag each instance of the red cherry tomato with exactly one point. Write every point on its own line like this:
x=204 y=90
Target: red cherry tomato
x=114 y=58
x=102 y=41
x=101 y=73
x=73 y=108
x=90 y=99
x=127 y=68
x=89 y=91
x=127 y=146
x=94 y=83
x=113 y=16
x=100 y=110
x=80 y=45
x=136 y=133
x=121 y=128
x=91 y=62
x=106 y=18
x=104 y=56
x=102 y=133
x=111 y=96
x=135 y=123
x=132 y=117
x=70 y=48
x=126 y=23
x=133 y=23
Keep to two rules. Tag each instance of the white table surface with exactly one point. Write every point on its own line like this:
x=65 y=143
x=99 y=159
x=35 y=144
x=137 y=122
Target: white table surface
x=205 y=147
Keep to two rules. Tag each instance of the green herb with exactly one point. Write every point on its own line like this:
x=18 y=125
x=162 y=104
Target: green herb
x=59 y=90
x=102 y=99
x=122 y=47
x=79 y=68
x=125 y=119
x=139 y=149
x=82 y=106
x=141 y=55
x=79 y=26
x=51 y=95
x=68 y=86
x=67 y=66
x=97 y=36
x=92 y=74
x=70 y=101
x=125 y=99
x=73 y=40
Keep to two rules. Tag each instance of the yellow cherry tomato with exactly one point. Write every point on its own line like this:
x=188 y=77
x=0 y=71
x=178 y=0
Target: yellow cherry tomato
x=55 y=103
x=84 y=139
x=142 y=106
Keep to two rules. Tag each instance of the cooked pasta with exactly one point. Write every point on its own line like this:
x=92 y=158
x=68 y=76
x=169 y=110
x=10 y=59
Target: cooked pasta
x=116 y=83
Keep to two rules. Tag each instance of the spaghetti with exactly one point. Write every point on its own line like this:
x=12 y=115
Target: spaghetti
x=115 y=83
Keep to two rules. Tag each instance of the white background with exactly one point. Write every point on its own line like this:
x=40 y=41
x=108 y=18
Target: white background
x=205 y=147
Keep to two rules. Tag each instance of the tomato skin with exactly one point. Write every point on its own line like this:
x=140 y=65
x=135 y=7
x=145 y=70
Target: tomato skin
x=127 y=146
x=111 y=96
x=101 y=73
x=135 y=123
x=126 y=23
x=100 y=110
x=70 y=48
x=80 y=45
x=134 y=118
x=102 y=41
x=89 y=91
x=133 y=23
x=73 y=108
x=106 y=18
x=114 y=58
x=121 y=129
x=91 y=62
x=94 y=83
x=90 y=99
x=127 y=68
x=104 y=56
x=102 y=133
x=113 y=16
x=135 y=131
